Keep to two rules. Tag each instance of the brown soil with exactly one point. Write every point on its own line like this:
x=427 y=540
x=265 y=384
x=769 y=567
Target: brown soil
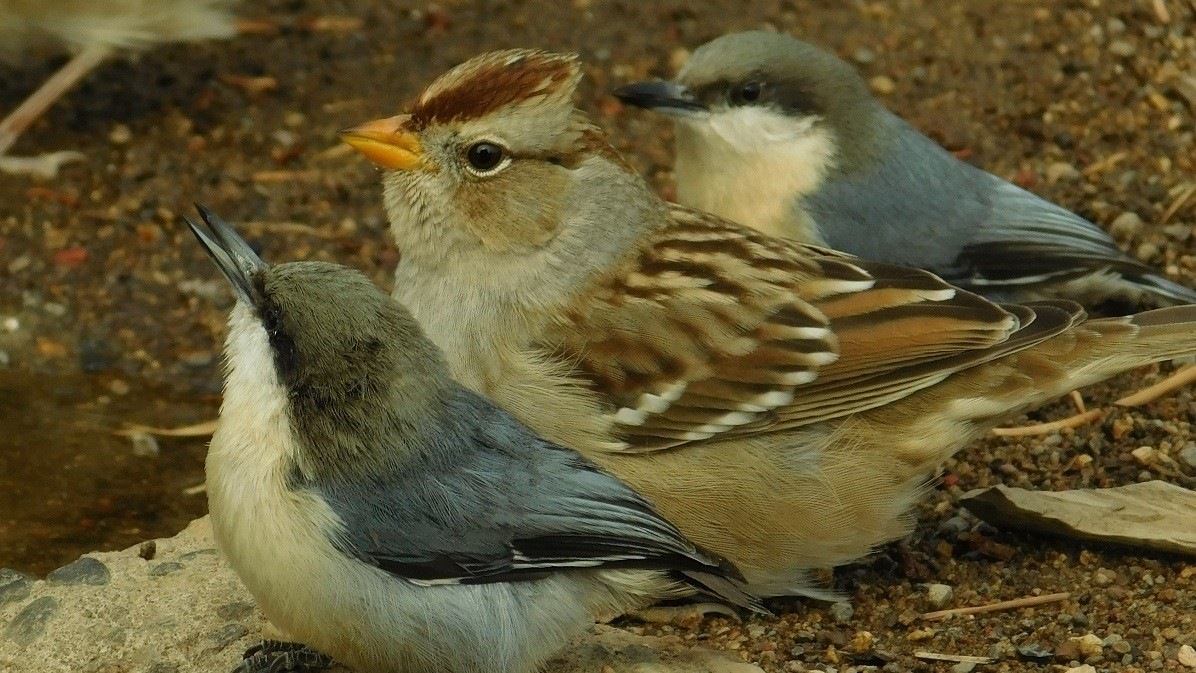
x=110 y=313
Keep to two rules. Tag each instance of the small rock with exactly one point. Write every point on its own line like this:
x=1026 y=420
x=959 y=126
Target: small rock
x=1122 y=48
x=1186 y=656
x=71 y=256
x=842 y=612
x=862 y=641
x=14 y=586
x=883 y=85
x=864 y=56
x=956 y=524
x=1145 y=455
x=120 y=134
x=964 y=667
x=147 y=550
x=1032 y=652
x=1126 y=225
x=1060 y=171
x=939 y=595
x=1068 y=651
x=86 y=570
x=1104 y=577
x=1089 y=644
x=1081 y=669
x=1187 y=455
x=145 y=445
x=31 y=622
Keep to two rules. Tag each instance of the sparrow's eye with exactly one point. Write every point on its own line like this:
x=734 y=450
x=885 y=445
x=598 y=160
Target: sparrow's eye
x=747 y=93
x=486 y=157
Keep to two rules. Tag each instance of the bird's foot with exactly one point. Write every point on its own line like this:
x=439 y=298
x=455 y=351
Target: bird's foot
x=682 y=615
x=43 y=166
x=276 y=656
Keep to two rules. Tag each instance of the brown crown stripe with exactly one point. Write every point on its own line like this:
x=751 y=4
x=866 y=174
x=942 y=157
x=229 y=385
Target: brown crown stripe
x=491 y=82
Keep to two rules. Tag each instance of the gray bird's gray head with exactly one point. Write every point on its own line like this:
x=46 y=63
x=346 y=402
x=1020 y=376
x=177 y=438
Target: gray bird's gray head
x=763 y=118
x=321 y=333
x=762 y=71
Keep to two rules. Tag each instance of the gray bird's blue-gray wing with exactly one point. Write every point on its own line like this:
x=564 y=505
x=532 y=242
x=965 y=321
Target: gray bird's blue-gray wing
x=918 y=205
x=484 y=499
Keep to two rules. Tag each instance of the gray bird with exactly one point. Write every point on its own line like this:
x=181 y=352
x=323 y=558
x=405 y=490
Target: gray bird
x=782 y=136
x=386 y=516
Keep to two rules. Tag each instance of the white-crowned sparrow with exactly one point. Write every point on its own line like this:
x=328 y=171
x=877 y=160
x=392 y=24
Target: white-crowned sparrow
x=780 y=403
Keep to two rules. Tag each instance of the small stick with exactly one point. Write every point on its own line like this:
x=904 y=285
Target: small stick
x=1047 y=428
x=958 y=658
x=1160 y=11
x=1177 y=204
x=1029 y=601
x=1179 y=379
x=288 y=228
x=1078 y=400
x=286 y=176
x=196 y=430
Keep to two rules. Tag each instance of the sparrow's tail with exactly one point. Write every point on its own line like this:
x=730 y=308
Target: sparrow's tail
x=1087 y=352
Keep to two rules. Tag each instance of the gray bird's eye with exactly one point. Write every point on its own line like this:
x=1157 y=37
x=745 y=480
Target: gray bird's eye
x=486 y=157
x=747 y=93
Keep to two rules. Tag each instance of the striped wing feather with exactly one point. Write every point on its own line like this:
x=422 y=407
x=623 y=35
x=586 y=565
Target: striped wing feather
x=714 y=330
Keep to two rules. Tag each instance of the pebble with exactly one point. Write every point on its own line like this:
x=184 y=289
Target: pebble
x=1187 y=455
x=842 y=612
x=1187 y=656
x=86 y=570
x=1145 y=455
x=5 y=358
x=1103 y=577
x=939 y=595
x=964 y=667
x=145 y=445
x=120 y=134
x=1122 y=48
x=1126 y=225
x=1089 y=644
x=1061 y=170
x=1081 y=669
x=862 y=641
x=883 y=85
x=864 y=55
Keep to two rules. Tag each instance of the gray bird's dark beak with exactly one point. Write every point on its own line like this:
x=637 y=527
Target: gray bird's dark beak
x=232 y=255
x=662 y=96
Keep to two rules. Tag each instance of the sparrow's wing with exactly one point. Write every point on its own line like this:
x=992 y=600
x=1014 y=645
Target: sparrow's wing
x=715 y=330
x=918 y=205
x=496 y=503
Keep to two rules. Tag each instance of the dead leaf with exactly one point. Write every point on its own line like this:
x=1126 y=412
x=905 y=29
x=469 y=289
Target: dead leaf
x=1151 y=515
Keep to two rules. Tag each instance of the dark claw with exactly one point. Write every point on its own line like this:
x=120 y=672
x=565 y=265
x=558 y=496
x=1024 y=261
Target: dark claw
x=276 y=656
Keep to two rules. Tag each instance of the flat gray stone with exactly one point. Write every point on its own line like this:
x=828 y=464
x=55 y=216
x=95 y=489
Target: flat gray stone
x=31 y=622
x=86 y=570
